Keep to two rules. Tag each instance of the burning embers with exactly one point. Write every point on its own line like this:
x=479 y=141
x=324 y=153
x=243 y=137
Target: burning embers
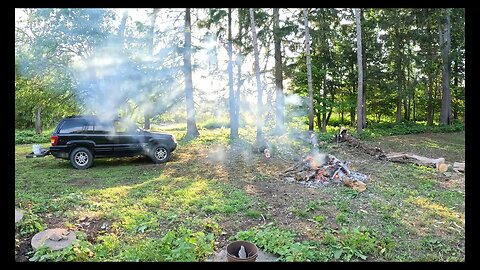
x=319 y=170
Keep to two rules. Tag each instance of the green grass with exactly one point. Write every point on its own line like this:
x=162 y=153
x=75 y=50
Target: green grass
x=184 y=209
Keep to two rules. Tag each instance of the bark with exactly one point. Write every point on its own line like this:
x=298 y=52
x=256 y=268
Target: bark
x=459 y=166
x=192 y=130
x=430 y=102
x=259 y=138
x=147 y=122
x=364 y=92
x=446 y=109
x=352 y=116
x=360 y=73
x=319 y=122
x=231 y=94
x=38 y=120
x=309 y=72
x=398 y=117
x=414 y=108
x=239 y=63
x=411 y=158
x=279 y=99
x=147 y=114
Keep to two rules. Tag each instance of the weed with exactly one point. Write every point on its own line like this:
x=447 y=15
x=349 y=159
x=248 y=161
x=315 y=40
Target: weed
x=30 y=224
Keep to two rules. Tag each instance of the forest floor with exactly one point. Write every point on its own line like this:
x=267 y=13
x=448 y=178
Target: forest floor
x=124 y=205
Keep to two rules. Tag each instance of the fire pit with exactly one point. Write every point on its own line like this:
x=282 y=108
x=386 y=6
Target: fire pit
x=319 y=170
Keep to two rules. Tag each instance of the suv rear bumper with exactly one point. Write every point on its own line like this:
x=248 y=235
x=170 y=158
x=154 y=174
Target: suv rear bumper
x=59 y=151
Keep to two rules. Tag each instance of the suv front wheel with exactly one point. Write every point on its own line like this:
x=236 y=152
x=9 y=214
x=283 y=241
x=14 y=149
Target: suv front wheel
x=159 y=154
x=81 y=158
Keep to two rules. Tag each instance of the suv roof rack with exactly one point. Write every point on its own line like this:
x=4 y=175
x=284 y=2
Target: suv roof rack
x=81 y=116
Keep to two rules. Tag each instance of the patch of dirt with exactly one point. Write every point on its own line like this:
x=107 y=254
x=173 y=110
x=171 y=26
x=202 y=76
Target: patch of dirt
x=452 y=180
x=82 y=182
x=22 y=248
x=93 y=227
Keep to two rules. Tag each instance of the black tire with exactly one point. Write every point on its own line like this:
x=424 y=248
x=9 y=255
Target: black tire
x=81 y=158
x=159 y=153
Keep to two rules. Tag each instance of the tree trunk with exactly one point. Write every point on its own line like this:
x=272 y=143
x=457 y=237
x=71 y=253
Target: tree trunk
x=147 y=112
x=239 y=62
x=192 y=130
x=455 y=84
x=279 y=99
x=38 y=121
x=259 y=138
x=309 y=72
x=341 y=115
x=414 y=107
x=446 y=110
x=323 y=91
x=352 y=116
x=430 y=102
x=319 y=122
x=231 y=94
x=147 y=122
x=364 y=88
x=398 y=117
x=360 y=73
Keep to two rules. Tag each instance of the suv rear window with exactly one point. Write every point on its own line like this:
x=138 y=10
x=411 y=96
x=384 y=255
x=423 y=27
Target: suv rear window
x=70 y=127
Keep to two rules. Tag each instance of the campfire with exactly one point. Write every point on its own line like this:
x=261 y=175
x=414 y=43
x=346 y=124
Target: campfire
x=318 y=170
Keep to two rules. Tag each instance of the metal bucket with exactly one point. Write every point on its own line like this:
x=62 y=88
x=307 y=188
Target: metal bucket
x=234 y=247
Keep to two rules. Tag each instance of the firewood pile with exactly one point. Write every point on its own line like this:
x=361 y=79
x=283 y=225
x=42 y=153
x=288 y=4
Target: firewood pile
x=319 y=170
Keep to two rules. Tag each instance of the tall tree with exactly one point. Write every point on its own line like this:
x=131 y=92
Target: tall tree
x=444 y=34
x=279 y=103
x=360 y=110
x=259 y=138
x=153 y=17
x=309 y=72
x=231 y=94
x=192 y=130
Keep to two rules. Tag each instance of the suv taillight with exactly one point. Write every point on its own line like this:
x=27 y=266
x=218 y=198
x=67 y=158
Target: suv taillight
x=54 y=140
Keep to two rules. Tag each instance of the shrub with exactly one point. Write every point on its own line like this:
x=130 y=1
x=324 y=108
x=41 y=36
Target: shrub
x=29 y=136
x=30 y=224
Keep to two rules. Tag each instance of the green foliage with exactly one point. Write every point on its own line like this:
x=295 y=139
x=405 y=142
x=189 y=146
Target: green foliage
x=180 y=245
x=388 y=129
x=79 y=251
x=30 y=224
x=29 y=136
x=354 y=243
x=280 y=241
x=213 y=123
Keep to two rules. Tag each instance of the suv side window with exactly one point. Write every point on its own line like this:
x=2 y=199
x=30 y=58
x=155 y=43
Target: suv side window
x=104 y=128
x=72 y=127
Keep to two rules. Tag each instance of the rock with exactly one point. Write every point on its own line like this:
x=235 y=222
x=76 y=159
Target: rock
x=55 y=239
x=18 y=215
x=447 y=174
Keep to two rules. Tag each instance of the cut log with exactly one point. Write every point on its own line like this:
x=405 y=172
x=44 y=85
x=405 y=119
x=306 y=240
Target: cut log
x=459 y=166
x=419 y=160
x=443 y=167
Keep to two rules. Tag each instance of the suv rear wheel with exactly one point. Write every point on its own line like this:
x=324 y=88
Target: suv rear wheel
x=81 y=158
x=159 y=153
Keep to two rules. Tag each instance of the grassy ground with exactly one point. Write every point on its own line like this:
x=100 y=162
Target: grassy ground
x=210 y=193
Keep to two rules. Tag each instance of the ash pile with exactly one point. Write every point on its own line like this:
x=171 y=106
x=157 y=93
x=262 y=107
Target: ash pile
x=320 y=170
